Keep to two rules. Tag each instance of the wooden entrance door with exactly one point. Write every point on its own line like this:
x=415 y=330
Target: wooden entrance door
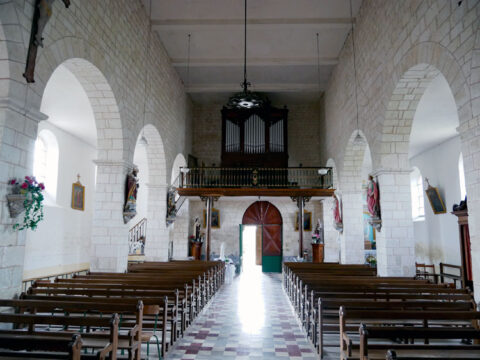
x=267 y=216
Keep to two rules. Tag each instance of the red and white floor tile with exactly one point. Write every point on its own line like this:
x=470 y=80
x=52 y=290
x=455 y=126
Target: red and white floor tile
x=248 y=319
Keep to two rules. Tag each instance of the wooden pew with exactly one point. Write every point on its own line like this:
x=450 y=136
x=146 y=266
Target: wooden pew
x=31 y=347
x=444 y=354
x=434 y=320
x=131 y=316
x=34 y=325
x=327 y=319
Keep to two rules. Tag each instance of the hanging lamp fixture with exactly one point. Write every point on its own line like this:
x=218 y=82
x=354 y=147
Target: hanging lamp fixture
x=143 y=140
x=246 y=99
x=358 y=138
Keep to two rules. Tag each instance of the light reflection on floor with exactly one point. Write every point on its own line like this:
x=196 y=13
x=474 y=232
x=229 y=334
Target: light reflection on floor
x=248 y=319
x=251 y=304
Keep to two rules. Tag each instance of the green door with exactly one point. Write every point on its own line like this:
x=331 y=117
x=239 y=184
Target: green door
x=272 y=248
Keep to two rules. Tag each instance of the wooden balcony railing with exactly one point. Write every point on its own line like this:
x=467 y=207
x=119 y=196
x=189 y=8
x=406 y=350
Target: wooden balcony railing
x=267 y=178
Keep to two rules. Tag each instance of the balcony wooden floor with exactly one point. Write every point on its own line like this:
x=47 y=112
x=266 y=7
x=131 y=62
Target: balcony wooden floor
x=254 y=192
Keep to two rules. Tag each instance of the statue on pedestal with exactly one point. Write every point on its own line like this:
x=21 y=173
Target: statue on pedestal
x=373 y=203
x=130 y=207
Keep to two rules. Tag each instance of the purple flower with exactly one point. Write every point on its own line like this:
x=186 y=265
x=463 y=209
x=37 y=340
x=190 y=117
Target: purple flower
x=41 y=186
x=24 y=185
x=13 y=181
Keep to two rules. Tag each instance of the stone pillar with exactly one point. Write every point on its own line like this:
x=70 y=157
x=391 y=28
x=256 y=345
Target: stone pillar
x=395 y=241
x=109 y=233
x=351 y=243
x=156 y=247
x=18 y=133
x=180 y=232
x=330 y=234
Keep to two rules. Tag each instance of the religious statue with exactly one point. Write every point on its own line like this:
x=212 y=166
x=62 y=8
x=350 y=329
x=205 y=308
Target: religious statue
x=42 y=13
x=317 y=236
x=130 y=208
x=171 y=205
x=197 y=227
x=373 y=203
x=337 y=212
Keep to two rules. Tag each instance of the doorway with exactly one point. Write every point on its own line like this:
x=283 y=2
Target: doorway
x=261 y=237
x=252 y=247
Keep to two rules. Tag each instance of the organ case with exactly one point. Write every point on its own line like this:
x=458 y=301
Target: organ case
x=255 y=137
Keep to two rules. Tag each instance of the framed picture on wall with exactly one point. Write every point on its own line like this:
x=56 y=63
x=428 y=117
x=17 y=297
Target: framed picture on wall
x=215 y=218
x=435 y=199
x=307 y=221
x=78 y=196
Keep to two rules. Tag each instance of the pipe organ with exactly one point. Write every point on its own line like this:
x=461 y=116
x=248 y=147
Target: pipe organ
x=254 y=137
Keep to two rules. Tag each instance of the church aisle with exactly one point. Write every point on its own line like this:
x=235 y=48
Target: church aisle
x=248 y=319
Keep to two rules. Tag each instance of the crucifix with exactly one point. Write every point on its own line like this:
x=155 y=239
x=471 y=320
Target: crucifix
x=41 y=14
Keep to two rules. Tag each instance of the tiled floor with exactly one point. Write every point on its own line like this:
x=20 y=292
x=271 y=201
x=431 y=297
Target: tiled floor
x=248 y=319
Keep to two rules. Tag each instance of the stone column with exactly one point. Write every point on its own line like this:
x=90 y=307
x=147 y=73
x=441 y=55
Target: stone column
x=330 y=234
x=156 y=247
x=18 y=132
x=180 y=231
x=395 y=241
x=351 y=243
x=109 y=233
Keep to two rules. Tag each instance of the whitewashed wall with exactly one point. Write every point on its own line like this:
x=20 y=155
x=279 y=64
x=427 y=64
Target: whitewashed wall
x=62 y=240
x=436 y=238
x=231 y=215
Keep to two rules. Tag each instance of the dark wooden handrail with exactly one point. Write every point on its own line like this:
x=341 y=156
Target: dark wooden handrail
x=267 y=178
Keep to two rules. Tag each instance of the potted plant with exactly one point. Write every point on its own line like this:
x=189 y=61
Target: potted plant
x=371 y=260
x=26 y=196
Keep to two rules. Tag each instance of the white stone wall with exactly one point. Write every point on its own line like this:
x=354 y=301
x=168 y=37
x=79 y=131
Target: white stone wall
x=109 y=39
x=400 y=47
x=231 y=215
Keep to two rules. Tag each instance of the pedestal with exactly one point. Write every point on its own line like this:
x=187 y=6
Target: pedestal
x=197 y=250
x=317 y=253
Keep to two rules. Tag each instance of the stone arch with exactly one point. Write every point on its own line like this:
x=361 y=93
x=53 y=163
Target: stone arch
x=156 y=247
x=351 y=241
x=177 y=163
x=412 y=75
x=331 y=235
x=109 y=248
x=94 y=71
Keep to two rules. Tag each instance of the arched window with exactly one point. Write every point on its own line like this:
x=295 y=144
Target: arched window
x=45 y=162
x=416 y=187
x=461 y=177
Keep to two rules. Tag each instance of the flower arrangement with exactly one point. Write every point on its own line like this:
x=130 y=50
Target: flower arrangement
x=193 y=239
x=30 y=191
x=372 y=260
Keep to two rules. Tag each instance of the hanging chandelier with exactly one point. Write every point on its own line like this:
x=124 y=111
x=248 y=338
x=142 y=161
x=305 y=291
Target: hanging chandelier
x=246 y=99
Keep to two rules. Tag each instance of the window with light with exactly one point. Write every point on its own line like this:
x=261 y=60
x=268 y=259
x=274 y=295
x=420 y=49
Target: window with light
x=45 y=162
x=416 y=185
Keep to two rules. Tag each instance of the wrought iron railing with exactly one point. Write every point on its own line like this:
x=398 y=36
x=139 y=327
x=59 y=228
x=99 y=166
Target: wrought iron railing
x=136 y=238
x=292 y=177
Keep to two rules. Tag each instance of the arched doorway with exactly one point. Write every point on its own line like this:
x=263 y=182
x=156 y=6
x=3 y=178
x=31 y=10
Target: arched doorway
x=269 y=222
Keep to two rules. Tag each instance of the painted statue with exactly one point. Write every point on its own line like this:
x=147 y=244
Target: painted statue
x=41 y=16
x=130 y=208
x=317 y=236
x=337 y=212
x=197 y=227
x=373 y=203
